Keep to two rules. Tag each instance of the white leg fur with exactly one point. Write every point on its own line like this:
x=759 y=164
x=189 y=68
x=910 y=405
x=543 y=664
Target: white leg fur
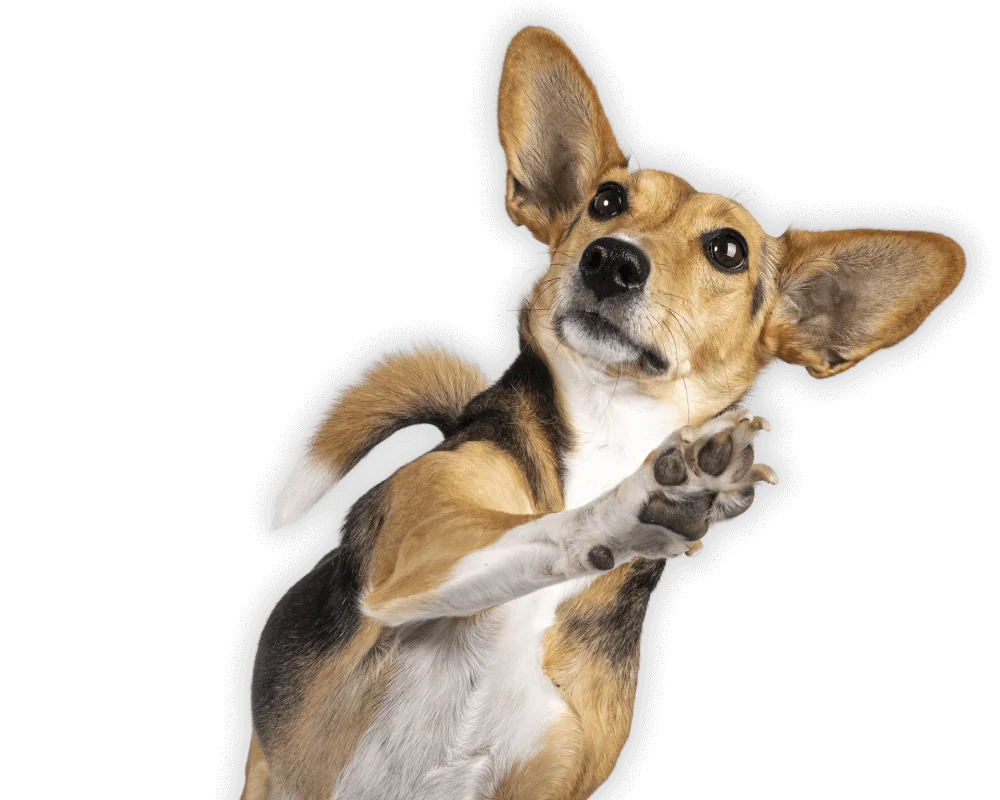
x=310 y=481
x=541 y=553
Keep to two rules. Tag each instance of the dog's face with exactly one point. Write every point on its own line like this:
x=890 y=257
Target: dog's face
x=654 y=281
x=657 y=280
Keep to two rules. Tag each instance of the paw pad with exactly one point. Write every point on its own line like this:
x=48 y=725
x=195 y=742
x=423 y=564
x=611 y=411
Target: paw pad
x=669 y=469
x=704 y=475
x=687 y=516
x=601 y=557
x=713 y=458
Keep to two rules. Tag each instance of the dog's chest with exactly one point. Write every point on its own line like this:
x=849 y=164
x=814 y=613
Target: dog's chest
x=614 y=428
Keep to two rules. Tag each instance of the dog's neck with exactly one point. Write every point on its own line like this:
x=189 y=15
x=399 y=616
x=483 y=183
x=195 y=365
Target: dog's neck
x=613 y=425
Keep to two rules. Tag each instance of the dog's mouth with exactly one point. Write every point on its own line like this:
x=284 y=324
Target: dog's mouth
x=592 y=334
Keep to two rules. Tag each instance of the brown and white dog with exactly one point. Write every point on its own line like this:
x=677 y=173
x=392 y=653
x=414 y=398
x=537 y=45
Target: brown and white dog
x=476 y=633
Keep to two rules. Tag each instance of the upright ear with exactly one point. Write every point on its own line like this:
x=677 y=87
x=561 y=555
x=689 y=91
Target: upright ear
x=846 y=294
x=557 y=140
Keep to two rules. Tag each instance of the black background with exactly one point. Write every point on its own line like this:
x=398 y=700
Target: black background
x=828 y=638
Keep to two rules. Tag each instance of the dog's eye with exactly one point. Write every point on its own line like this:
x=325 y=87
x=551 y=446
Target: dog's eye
x=726 y=249
x=610 y=201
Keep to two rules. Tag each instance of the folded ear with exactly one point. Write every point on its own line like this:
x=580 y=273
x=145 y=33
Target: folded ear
x=557 y=140
x=846 y=294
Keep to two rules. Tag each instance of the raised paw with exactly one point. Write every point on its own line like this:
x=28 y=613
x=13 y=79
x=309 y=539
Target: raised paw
x=696 y=477
x=700 y=476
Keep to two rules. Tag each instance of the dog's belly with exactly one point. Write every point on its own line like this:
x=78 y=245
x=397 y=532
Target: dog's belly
x=468 y=699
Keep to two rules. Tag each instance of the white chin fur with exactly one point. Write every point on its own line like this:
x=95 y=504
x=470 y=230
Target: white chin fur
x=584 y=344
x=308 y=483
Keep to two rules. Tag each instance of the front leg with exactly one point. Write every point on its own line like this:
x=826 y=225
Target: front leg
x=696 y=477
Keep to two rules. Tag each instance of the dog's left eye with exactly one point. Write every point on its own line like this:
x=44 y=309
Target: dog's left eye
x=610 y=201
x=726 y=250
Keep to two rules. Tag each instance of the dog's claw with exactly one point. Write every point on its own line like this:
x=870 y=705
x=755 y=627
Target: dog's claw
x=762 y=472
x=694 y=548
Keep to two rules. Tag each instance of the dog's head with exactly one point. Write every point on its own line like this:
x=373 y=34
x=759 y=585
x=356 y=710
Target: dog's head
x=655 y=281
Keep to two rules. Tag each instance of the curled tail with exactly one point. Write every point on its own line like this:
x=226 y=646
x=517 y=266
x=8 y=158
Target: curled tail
x=422 y=386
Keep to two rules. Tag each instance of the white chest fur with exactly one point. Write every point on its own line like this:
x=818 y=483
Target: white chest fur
x=468 y=700
x=615 y=428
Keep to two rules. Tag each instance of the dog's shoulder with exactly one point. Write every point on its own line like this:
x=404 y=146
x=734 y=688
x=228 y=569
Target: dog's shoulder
x=519 y=415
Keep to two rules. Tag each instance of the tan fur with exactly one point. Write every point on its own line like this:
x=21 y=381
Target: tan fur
x=338 y=706
x=257 y=778
x=550 y=774
x=582 y=747
x=701 y=319
x=400 y=386
x=601 y=696
x=444 y=506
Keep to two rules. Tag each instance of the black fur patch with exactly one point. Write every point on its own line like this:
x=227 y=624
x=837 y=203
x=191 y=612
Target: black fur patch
x=652 y=362
x=569 y=228
x=758 y=298
x=613 y=631
x=491 y=417
x=318 y=614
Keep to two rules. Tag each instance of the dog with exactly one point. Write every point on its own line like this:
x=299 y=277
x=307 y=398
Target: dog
x=476 y=632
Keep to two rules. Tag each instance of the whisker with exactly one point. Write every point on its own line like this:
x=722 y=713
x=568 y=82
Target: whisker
x=680 y=320
x=608 y=406
x=672 y=311
x=687 y=398
x=687 y=393
x=631 y=155
x=729 y=388
x=677 y=297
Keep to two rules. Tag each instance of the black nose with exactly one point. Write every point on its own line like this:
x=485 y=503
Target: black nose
x=611 y=266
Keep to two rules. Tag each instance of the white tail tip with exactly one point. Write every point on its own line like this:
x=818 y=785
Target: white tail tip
x=308 y=484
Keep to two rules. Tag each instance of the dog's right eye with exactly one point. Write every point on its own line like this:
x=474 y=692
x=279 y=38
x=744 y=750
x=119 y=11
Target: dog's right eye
x=610 y=201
